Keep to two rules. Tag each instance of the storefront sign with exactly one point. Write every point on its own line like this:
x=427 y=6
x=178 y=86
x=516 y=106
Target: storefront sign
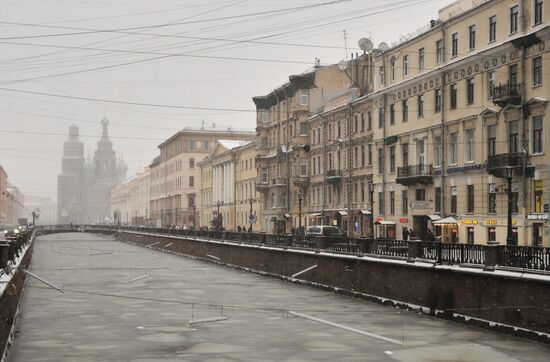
x=469 y=222
x=537 y=217
x=495 y=222
x=466 y=168
x=404 y=220
x=379 y=218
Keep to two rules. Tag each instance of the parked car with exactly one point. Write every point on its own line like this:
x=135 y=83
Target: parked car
x=324 y=230
x=11 y=231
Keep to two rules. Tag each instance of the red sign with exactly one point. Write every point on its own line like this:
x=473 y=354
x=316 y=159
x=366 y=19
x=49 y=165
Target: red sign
x=379 y=218
x=404 y=220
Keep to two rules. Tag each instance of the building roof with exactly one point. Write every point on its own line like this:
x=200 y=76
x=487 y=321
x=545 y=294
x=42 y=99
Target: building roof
x=231 y=144
x=209 y=131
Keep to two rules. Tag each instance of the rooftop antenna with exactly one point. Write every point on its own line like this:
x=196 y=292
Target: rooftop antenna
x=202 y=125
x=345 y=43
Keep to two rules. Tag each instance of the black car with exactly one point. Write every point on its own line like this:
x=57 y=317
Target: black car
x=11 y=231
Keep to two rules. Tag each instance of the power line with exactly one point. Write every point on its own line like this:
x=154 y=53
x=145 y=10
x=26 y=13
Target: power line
x=125 y=102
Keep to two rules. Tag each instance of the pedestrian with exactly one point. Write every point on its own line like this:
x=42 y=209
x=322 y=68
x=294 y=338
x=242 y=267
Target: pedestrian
x=238 y=229
x=431 y=236
x=412 y=234
x=405 y=234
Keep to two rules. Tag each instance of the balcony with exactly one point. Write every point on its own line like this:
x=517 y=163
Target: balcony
x=262 y=186
x=410 y=175
x=333 y=177
x=504 y=94
x=278 y=181
x=496 y=164
x=301 y=181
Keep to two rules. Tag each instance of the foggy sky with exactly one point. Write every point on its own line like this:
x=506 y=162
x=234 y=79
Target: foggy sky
x=205 y=75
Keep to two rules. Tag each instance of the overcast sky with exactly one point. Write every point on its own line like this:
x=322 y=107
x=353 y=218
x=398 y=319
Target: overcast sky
x=212 y=55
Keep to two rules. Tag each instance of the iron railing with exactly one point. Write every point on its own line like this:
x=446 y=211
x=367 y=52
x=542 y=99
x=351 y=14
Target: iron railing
x=415 y=170
x=524 y=257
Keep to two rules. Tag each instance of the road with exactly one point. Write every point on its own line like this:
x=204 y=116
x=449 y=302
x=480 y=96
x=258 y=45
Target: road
x=128 y=303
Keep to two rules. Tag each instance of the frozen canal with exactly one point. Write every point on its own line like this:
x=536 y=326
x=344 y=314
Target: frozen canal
x=111 y=311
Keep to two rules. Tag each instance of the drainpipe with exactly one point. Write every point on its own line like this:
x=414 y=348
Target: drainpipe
x=325 y=140
x=443 y=133
x=349 y=114
x=524 y=119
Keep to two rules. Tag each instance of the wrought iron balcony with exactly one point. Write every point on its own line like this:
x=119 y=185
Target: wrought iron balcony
x=496 y=164
x=301 y=181
x=504 y=94
x=262 y=186
x=279 y=181
x=333 y=176
x=413 y=174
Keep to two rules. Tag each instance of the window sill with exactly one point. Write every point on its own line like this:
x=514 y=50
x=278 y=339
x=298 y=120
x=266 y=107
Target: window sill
x=537 y=86
x=537 y=154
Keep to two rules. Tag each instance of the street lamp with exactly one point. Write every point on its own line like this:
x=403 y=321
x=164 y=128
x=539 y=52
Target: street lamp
x=250 y=216
x=218 y=223
x=300 y=212
x=509 y=173
x=194 y=216
x=371 y=192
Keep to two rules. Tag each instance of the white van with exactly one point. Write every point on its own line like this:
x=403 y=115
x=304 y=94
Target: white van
x=324 y=230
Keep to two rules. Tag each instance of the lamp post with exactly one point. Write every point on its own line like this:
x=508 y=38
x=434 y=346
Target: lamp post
x=218 y=223
x=250 y=216
x=371 y=193
x=509 y=173
x=300 y=196
x=194 y=216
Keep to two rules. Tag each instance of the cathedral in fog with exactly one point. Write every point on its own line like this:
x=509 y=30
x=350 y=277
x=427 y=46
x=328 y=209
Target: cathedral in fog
x=84 y=186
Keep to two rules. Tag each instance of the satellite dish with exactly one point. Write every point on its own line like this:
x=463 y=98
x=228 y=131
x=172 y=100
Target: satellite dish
x=383 y=46
x=343 y=65
x=365 y=45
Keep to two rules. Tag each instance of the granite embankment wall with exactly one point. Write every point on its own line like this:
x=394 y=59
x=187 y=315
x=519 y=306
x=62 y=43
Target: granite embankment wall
x=510 y=302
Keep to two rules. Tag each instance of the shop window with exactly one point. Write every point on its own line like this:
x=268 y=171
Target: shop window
x=538 y=196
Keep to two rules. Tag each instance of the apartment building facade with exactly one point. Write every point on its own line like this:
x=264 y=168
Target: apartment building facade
x=284 y=140
x=457 y=107
x=228 y=190
x=175 y=177
x=129 y=201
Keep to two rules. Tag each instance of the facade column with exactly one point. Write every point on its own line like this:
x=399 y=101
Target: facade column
x=214 y=183
x=232 y=182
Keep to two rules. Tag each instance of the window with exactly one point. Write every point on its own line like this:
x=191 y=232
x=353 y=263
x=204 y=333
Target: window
x=453 y=93
x=191 y=200
x=304 y=97
x=513 y=76
x=191 y=162
x=470 y=197
x=438 y=151
x=355 y=124
x=362 y=155
x=264 y=175
x=191 y=181
x=392 y=114
x=537 y=71
x=283 y=202
x=470 y=235
x=470 y=90
x=392 y=202
x=263 y=116
x=421 y=106
x=380 y=161
x=303 y=128
x=405 y=154
x=470 y=147
x=491 y=140
x=392 y=159
x=537 y=12
x=454 y=200
x=454 y=45
x=355 y=156
x=514 y=19
x=369 y=120
x=439 y=51
x=421 y=59
x=380 y=117
x=362 y=122
x=382 y=76
x=405 y=111
x=381 y=203
x=537 y=204
x=491 y=82
x=515 y=197
x=491 y=234
x=492 y=28
x=437 y=199
x=438 y=100
x=513 y=136
x=303 y=168
x=362 y=192
x=205 y=145
x=472 y=37
x=421 y=154
x=420 y=194
x=492 y=205
x=405 y=204
x=369 y=153
x=537 y=134
x=392 y=69
x=452 y=148
x=192 y=145
x=405 y=65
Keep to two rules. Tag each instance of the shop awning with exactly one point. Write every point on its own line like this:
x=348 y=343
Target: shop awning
x=434 y=217
x=343 y=213
x=365 y=212
x=446 y=221
x=314 y=214
x=385 y=222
